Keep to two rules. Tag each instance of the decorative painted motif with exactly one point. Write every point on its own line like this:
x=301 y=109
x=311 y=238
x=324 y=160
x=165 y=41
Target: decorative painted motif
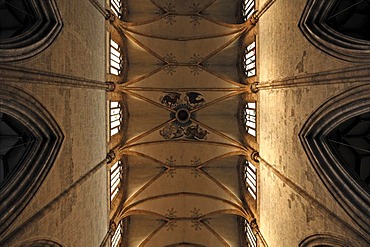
x=195 y=19
x=195 y=61
x=171 y=213
x=169 y=64
x=171 y=99
x=173 y=131
x=171 y=225
x=195 y=161
x=170 y=161
x=196 y=223
x=183 y=126
x=197 y=64
x=177 y=100
x=194 y=99
x=196 y=172
x=171 y=172
x=170 y=15
x=195 y=132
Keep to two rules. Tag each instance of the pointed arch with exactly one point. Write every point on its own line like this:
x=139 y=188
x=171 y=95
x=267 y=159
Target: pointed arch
x=41 y=243
x=325 y=240
x=47 y=137
x=314 y=26
x=39 y=24
x=345 y=186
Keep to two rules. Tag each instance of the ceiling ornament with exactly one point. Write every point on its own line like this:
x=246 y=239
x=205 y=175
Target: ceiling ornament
x=183 y=126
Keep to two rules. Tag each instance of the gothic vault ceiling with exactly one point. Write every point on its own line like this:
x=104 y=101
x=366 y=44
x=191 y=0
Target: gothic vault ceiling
x=182 y=142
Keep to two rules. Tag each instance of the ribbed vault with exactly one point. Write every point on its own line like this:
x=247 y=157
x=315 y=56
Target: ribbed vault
x=182 y=145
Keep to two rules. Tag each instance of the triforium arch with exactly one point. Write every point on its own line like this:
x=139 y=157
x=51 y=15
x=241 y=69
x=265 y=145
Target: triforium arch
x=41 y=243
x=44 y=141
x=28 y=27
x=325 y=240
x=318 y=136
x=321 y=25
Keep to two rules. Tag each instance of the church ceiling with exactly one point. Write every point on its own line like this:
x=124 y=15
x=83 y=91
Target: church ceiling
x=182 y=144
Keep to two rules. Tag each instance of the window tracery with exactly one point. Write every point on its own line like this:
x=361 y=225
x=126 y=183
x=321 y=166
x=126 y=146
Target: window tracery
x=248 y=8
x=249 y=60
x=250 y=177
x=115 y=179
x=116 y=117
x=117 y=236
x=251 y=238
x=116 y=7
x=249 y=118
x=115 y=58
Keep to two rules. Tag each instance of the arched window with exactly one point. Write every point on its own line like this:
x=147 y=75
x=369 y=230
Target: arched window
x=250 y=237
x=249 y=60
x=41 y=243
x=326 y=240
x=30 y=140
x=249 y=118
x=339 y=28
x=116 y=117
x=15 y=144
x=27 y=27
x=17 y=17
x=116 y=7
x=116 y=238
x=115 y=58
x=351 y=18
x=350 y=141
x=250 y=178
x=115 y=179
x=336 y=140
x=248 y=8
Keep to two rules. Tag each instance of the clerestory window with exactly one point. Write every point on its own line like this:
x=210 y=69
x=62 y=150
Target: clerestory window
x=115 y=179
x=251 y=238
x=249 y=118
x=249 y=60
x=116 y=7
x=117 y=236
x=250 y=177
x=115 y=58
x=248 y=8
x=116 y=117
